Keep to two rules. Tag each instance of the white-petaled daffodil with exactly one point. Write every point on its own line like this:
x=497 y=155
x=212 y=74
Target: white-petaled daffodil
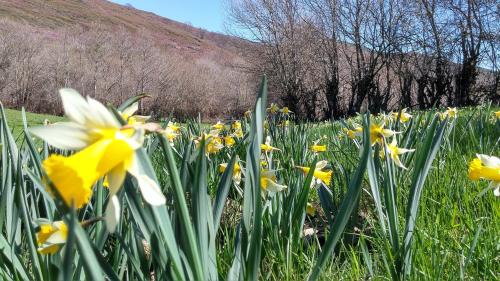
x=488 y=168
x=268 y=181
x=105 y=148
x=394 y=151
x=320 y=174
x=403 y=117
x=51 y=237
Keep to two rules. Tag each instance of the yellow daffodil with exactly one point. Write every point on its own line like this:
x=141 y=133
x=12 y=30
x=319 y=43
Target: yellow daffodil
x=105 y=149
x=377 y=133
x=266 y=147
x=352 y=134
x=403 y=118
x=488 y=168
x=128 y=115
x=273 y=108
x=319 y=174
x=174 y=127
x=218 y=126
x=51 y=237
x=236 y=172
x=213 y=143
x=496 y=114
x=310 y=209
x=285 y=110
x=238 y=133
x=268 y=181
x=394 y=151
x=170 y=134
x=284 y=123
x=236 y=125
x=229 y=141
x=451 y=112
x=316 y=148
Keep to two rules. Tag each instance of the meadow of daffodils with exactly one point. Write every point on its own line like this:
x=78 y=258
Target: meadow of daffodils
x=111 y=195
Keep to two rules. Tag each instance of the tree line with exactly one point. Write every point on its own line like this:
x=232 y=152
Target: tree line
x=113 y=64
x=332 y=58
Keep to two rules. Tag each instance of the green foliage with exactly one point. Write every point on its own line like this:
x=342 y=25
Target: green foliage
x=374 y=220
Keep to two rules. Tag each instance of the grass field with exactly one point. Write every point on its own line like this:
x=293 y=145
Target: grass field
x=269 y=214
x=15 y=120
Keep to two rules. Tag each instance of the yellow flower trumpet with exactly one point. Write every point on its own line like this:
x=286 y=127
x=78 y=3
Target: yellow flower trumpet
x=319 y=174
x=51 y=237
x=488 y=168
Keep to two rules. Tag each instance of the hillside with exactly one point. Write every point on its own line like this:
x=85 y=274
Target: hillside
x=112 y=52
x=54 y=14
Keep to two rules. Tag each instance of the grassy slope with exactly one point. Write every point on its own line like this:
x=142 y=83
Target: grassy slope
x=15 y=120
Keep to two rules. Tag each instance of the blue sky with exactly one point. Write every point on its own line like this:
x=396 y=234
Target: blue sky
x=207 y=14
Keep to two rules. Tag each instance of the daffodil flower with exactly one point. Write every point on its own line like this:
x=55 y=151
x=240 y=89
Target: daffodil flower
x=268 y=181
x=236 y=125
x=218 y=126
x=394 y=151
x=238 y=133
x=284 y=123
x=213 y=143
x=105 y=149
x=51 y=237
x=128 y=115
x=403 y=118
x=170 y=134
x=352 y=134
x=229 y=141
x=310 y=209
x=236 y=172
x=285 y=110
x=377 y=133
x=316 y=148
x=273 y=108
x=320 y=174
x=451 y=112
x=174 y=127
x=488 y=168
x=266 y=147
x=496 y=114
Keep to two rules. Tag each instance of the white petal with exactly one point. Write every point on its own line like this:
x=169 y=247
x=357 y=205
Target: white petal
x=115 y=178
x=129 y=111
x=268 y=140
x=404 y=150
x=321 y=164
x=112 y=215
x=274 y=187
x=56 y=238
x=496 y=186
x=64 y=135
x=75 y=106
x=100 y=116
x=150 y=190
x=398 y=163
x=489 y=161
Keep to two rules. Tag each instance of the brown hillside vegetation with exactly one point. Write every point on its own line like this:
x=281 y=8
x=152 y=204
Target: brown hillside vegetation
x=112 y=52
